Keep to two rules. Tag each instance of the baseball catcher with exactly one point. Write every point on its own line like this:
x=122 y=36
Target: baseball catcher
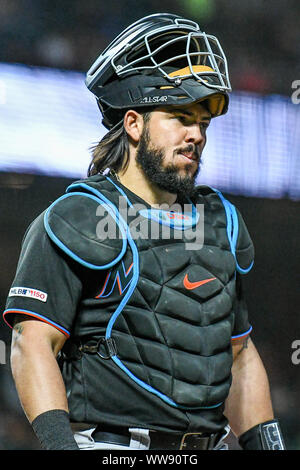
x=130 y=327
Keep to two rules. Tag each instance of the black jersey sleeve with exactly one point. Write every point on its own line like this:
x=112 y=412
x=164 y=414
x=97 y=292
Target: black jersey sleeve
x=46 y=285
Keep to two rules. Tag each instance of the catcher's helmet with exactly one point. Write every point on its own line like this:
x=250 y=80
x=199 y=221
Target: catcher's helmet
x=162 y=59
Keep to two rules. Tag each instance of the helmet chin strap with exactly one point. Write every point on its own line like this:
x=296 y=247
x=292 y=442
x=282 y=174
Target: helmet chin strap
x=106 y=122
x=114 y=128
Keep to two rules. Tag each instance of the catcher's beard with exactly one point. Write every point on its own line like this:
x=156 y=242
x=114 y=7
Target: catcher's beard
x=151 y=159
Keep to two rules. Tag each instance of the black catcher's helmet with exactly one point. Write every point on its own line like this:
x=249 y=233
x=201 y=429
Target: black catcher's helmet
x=162 y=59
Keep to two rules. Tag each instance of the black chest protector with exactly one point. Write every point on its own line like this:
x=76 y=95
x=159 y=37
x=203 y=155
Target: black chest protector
x=170 y=327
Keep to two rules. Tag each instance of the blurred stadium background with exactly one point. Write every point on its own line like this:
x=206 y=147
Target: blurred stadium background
x=48 y=121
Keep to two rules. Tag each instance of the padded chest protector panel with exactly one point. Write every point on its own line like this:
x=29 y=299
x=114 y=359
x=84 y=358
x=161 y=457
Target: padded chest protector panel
x=82 y=225
x=71 y=222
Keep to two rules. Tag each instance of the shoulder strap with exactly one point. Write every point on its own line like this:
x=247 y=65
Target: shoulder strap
x=232 y=230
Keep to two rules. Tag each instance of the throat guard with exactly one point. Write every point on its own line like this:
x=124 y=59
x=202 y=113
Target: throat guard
x=171 y=327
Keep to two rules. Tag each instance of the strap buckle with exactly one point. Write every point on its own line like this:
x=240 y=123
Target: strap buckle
x=196 y=440
x=105 y=348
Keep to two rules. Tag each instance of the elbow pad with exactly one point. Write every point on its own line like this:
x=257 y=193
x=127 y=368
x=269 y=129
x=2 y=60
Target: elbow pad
x=263 y=436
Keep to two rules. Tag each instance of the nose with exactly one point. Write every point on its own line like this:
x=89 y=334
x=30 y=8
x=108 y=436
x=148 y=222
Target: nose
x=195 y=135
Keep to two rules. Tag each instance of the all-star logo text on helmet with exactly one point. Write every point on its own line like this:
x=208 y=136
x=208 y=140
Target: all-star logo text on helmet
x=154 y=99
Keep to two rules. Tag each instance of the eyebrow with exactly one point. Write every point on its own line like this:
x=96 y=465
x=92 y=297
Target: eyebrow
x=206 y=117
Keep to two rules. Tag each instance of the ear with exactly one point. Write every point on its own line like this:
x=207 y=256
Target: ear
x=133 y=124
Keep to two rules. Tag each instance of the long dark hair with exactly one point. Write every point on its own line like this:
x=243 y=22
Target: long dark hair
x=113 y=149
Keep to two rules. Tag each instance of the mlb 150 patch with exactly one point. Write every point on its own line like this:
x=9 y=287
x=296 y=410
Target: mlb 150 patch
x=28 y=292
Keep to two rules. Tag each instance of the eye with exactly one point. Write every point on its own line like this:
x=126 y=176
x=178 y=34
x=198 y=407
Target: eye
x=204 y=125
x=181 y=119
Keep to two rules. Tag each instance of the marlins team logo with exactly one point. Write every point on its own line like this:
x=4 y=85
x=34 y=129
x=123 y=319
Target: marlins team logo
x=118 y=279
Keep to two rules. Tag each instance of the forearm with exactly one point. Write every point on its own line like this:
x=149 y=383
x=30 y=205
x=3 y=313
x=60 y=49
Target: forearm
x=38 y=379
x=40 y=384
x=249 y=401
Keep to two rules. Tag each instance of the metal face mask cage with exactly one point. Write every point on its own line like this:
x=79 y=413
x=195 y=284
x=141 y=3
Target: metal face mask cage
x=150 y=55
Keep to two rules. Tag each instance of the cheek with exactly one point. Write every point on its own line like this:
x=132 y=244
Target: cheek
x=167 y=135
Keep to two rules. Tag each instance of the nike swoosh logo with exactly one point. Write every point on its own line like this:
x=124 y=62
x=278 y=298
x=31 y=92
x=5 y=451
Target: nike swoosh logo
x=192 y=285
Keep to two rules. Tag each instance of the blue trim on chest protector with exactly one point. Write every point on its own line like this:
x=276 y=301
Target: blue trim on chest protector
x=175 y=220
x=232 y=229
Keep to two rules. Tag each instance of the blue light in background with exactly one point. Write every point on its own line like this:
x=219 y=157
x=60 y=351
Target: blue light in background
x=48 y=121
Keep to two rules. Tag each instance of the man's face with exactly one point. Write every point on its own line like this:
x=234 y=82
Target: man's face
x=171 y=145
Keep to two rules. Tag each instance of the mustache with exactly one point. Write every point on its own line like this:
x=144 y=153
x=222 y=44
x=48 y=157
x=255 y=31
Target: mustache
x=191 y=148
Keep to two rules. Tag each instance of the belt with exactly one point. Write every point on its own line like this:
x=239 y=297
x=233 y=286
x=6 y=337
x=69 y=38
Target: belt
x=161 y=440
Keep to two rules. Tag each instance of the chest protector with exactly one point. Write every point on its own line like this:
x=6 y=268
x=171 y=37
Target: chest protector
x=170 y=328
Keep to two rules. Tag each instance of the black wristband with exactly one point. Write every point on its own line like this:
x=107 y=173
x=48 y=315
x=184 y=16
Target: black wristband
x=53 y=430
x=263 y=436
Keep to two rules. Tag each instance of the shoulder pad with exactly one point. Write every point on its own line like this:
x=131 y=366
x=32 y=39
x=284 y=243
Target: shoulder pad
x=239 y=239
x=86 y=229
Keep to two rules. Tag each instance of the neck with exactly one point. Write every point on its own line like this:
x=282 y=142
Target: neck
x=136 y=181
